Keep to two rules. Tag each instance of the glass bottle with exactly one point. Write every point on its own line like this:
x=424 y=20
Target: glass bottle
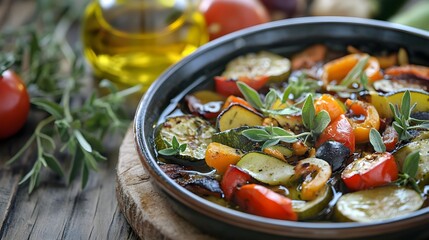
x=134 y=41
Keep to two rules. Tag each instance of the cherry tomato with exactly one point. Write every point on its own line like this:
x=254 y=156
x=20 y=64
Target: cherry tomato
x=228 y=87
x=232 y=178
x=339 y=130
x=259 y=200
x=14 y=104
x=390 y=138
x=373 y=170
x=363 y=116
x=226 y=16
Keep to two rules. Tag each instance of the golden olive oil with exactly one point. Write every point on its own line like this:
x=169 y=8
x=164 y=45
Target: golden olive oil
x=133 y=42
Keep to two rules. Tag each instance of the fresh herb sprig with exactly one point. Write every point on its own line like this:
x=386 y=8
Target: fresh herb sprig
x=315 y=123
x=299 y=86
x=403 y=120
x=409 y=171
x=173 y=148
x=266 y=106
x=76 y=120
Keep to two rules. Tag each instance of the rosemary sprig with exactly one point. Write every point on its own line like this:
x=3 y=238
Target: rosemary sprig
x=299 y=86
x=355 y=81
x=77 y=121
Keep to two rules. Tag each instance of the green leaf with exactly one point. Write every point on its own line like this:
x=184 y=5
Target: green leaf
x=85 y=176
x=49 y=106
x=406 y=105
x=183 y=147
x=168 y=151
x=376 y=141
x=411 y=164
x=53 y=164
x=321 y=121
x=82 y=141
x=291 y=110
x=257 y=135
x=76 y=165
x=250 y=95
x=270 y=98
x=175 y=143
x=356 y=71
x=269 y=143
x=308 y=112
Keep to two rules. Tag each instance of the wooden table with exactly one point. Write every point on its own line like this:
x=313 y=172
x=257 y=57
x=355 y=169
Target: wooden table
x=54 y=210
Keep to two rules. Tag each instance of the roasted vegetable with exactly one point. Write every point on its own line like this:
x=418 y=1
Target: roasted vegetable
x=363 y=117
x=313 y=174
x=421 y=145
x=311 y=209
x=259 y=200
x=220 y=156
x=334 y=153
x=234 y=138
x=191 y=130
x=381 y=101
x=263 y=63
x=377 y=204
x=233 y=178
x=376 y=169
x=237 y=115
x=266 y=169
x=207 y=104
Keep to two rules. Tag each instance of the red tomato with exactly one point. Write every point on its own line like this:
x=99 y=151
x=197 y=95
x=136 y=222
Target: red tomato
x=14 y=104
x=373 y=170
x=228 y=87
x=259 y=200
x=226 y=16
x=232 y=178
x=339 y=130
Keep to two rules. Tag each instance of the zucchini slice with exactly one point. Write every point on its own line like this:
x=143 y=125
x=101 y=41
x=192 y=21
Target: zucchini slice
x=234 y=139
x=266 y=169
x=237 y=115
x=311 y=209
x=377 y=204
x=192 y=130
x=264 y=63
x=423 y=147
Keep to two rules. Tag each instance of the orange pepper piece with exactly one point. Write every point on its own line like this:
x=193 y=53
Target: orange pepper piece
x=339 y=68
x=364 y=117
x=328 y=103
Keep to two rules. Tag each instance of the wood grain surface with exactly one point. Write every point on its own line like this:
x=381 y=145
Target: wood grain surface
x=146 y=210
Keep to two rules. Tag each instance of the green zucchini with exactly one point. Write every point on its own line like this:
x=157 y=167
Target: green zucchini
x=377 y=204
x=237 y=115
x=266 y=169
x=311 y=209
x=192 y=130
x=252 y=65
x=423 y=147
x=234 y=139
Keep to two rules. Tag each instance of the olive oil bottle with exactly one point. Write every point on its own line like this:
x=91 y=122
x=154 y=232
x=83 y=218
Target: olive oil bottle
x=134 y=41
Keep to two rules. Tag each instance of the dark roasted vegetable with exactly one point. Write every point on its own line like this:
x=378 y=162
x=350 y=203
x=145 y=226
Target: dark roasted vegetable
x=334 y=153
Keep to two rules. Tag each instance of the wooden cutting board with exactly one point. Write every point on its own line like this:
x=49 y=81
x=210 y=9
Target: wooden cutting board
x=145 y=209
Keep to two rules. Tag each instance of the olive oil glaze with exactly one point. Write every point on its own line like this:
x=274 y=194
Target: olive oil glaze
x=133 y=42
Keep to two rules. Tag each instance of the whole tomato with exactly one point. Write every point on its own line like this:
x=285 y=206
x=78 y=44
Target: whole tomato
x=14 y=104
x=226 y=16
